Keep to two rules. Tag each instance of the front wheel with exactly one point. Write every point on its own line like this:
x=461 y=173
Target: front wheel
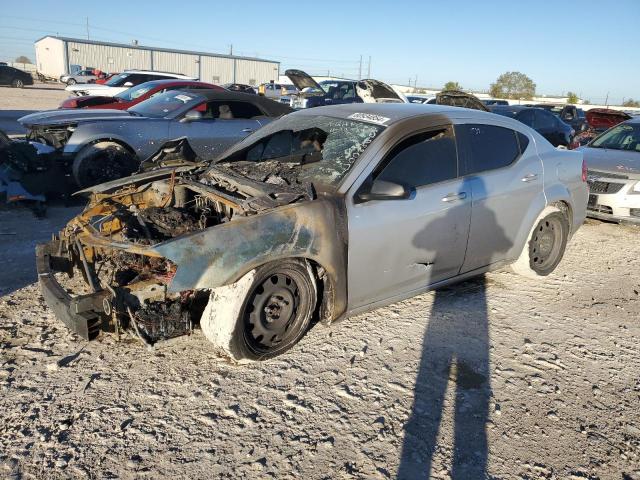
x=71 y=81
x=545 y=245
x=102 y=162
x=263 y=314
x=17 y=83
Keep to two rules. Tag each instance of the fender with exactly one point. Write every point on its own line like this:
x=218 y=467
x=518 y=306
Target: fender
x=73 y=148
x=221 y=255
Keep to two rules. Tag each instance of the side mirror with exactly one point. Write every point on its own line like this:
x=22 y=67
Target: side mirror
x=127 y=84
x=384 y=190
x=191 y=116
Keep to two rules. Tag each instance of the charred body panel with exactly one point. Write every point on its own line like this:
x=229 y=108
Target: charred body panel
x=150 y=252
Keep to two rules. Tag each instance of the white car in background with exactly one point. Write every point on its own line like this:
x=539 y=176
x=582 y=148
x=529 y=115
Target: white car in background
x=83 y=76
x=122 y=82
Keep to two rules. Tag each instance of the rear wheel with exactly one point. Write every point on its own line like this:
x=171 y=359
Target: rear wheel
x=71 y=81
x=17 y=83
x=263 y=314
x=102 y=162
x=545 y=245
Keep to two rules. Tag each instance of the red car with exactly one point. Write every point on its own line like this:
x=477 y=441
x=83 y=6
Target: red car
x=136 y=94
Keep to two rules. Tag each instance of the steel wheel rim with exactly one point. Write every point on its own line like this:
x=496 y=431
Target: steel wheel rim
x=546 y=243
x=271 y=313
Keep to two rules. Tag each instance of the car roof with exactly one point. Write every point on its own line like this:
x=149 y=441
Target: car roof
x=267 y=105
x=394 y=112
x=174 y=81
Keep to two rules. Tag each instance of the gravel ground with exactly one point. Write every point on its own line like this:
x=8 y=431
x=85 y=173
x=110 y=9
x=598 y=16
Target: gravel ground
x=519 y=378
x=17 y=102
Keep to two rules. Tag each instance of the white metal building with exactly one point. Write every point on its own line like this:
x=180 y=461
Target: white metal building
x=56 y=56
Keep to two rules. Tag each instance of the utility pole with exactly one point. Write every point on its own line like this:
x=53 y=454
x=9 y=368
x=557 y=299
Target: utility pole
x=606 y=100
x=360 y=69
x=231 y=49
x=87 y=28
x=369 y=68
x=415 y=82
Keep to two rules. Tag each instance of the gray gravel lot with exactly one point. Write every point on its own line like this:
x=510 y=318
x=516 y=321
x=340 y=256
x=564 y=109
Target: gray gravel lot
x=498 y=377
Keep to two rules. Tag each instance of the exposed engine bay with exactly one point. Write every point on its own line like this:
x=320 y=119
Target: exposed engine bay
x=111 y=245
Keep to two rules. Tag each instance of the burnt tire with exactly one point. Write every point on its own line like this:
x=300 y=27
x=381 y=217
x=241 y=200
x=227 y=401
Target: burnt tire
x=545 y=244
x=102 y=162
x=263 y=314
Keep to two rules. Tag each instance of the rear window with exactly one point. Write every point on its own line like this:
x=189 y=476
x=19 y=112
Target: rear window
x=489 y=147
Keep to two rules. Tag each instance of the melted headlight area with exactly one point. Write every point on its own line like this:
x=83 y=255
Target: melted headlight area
x=111 y=245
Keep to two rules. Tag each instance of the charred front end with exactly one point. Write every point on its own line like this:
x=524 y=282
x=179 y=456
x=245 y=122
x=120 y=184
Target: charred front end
x=144 y=255
x=110 y=247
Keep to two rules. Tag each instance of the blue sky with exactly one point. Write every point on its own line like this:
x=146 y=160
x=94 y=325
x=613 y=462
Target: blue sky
x=586 y=46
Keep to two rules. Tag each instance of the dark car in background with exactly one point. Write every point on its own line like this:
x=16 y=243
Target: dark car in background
x=542 y=121
x=569 y=114
x=14 y=77
x=493 y=101
x=337 y=92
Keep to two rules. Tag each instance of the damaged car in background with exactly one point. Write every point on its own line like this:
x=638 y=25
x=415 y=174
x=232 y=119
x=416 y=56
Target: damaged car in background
x=320 y=215
x=336 y=92
x=84 y=147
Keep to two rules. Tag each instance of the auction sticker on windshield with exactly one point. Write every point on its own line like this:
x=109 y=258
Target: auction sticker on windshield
x=184 y=98
x=369 y=117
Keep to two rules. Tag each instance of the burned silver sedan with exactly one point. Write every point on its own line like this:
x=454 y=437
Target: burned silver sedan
x=322 y=214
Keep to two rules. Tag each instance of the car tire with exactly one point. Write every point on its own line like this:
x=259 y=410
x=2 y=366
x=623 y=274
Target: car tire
x=102 y=162
x=545 y=244
x=71 y=81
x=17 y=83
x=263 y=314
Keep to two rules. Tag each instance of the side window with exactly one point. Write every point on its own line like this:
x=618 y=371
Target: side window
x=523 y=141
x=487 y=147
x=422 y=159
x=545 y=120
x=231 y=110
x=526 y=117
x=244 y=110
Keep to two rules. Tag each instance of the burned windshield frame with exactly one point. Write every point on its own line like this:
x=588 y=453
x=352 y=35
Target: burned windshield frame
x=322 y=149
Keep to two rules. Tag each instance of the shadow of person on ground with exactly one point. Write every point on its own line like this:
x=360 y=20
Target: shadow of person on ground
x=455 y=348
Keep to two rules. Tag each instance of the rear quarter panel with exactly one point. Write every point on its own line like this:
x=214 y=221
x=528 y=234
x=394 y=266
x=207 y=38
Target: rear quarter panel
x=563 y=181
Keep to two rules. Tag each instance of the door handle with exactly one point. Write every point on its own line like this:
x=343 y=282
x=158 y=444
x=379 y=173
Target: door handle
x=247 y=130
x=529 y=177
x=452 y=197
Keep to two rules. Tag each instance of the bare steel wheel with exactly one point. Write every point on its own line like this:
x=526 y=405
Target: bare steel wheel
x=17 y=83
x=545 y=245
x=264 y=313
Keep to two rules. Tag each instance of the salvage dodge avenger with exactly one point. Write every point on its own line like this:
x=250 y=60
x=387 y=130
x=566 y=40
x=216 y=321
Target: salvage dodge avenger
x=321 y=214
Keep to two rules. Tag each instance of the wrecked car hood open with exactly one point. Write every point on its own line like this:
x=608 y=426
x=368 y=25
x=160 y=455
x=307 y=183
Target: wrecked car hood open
x=375 y=91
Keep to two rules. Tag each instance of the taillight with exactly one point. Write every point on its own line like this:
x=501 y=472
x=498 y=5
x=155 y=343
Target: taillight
x=584 y=170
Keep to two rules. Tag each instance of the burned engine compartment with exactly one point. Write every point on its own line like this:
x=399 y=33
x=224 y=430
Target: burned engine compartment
x=111 y=244
x=55 y=136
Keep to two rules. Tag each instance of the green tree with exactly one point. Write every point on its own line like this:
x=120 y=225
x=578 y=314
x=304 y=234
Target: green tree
x=450 y=85
x=631 y=103
x=22 y=59
x=513 y=85
x=572 y=98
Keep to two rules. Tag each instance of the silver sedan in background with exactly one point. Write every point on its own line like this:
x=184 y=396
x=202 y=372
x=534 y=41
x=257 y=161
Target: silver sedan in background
x=613 y=160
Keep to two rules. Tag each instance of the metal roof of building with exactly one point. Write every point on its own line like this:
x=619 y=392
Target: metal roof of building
x=161 y=49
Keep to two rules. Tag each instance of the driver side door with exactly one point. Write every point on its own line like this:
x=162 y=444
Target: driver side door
x=399 y=247
x=223 y=124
